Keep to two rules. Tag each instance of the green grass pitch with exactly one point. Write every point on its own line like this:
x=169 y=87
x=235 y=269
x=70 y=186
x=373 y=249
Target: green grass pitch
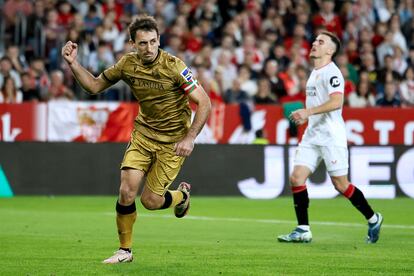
x=221 y=236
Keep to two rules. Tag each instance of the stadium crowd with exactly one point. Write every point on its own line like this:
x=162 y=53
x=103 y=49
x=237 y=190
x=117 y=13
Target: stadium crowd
x=242 y=51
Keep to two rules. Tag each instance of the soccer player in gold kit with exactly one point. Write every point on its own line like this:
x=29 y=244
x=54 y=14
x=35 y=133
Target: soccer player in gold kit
x=163 y=134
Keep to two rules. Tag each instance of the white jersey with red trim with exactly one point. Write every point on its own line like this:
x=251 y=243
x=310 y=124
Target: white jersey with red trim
x=326 y=129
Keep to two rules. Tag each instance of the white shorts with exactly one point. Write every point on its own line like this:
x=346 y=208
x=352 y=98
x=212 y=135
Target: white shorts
x=335 y=158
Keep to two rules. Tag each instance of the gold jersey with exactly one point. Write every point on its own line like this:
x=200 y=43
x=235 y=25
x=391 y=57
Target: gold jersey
x=161 y=88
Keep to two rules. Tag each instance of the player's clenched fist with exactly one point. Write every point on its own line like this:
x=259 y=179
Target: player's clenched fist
x=69 y=52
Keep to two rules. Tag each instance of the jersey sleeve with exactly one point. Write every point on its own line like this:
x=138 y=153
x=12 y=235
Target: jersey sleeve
x=114 y=73
x=185 y=78
x=335 y=82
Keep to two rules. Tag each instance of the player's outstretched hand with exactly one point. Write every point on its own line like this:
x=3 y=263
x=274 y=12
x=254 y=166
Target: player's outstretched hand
x=69 y=52
x=184 y=147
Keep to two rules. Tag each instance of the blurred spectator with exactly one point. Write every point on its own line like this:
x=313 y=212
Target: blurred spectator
x=85 y=6
x=12 y=9
x=18 y=60
x=247 y=83
x=260 y=138
x=252 y=20
x=405 y=10
x=379 y=33
x=6 y=70
x=235 y=94
x=342 y=60
x=386 y=47
x=58 y=91
x=35 y=22
x=114 y=9
x=92 y=19
x=328 y=18
x=410 y=58
x=390 y=96
x=279 y=54
x=298 y=40
x=277 y=85
x=384 y=9
x=386 y=74
x=397 y=37
x=30 y=92
x=39 y=77
x=399 y=61
x=100 y=59
x=9 y=92
x=362 y=97
x=407 y=88
x=368 y=65
x=227 y=44
x=110 y=30
x=228 y=9
x=349 y=86
x=228 y=70
x=408 y=31
x=264 y=95
x=55 y=35
x=249 y=48
x=65 y=14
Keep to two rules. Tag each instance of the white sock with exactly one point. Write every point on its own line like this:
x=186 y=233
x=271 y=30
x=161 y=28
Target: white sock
x=304 y=227
x=373 y=219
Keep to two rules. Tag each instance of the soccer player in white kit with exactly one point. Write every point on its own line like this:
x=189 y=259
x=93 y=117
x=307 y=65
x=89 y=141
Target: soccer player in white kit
x=324 y=139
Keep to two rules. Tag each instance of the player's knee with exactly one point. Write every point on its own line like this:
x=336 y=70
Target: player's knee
x=150 y=202
x=126 y=196
x=295 y=180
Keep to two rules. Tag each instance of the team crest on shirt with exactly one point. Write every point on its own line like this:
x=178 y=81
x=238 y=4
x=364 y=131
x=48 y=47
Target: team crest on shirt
x=156 y=74
x=334 y=81
x=187 y=74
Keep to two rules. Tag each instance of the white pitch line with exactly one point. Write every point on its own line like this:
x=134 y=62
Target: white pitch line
x=274 y=221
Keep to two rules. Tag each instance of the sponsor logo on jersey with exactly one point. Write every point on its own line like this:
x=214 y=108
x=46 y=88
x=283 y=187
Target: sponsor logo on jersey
x=334 y=81
x=310 y=91
x=186 y=73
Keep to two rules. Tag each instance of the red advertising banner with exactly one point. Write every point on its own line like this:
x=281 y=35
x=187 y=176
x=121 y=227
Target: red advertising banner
x=23 y=122
x=113 y=122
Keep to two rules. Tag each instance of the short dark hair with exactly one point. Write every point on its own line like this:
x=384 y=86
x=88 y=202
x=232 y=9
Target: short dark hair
x=145 y=23
x=335 y=40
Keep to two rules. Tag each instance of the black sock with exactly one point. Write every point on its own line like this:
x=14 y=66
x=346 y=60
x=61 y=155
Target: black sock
x=126 y=249
x=167 y=201
x=358 y=199
x=301 y=202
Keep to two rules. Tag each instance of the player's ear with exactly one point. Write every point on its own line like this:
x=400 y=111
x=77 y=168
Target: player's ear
x=159 y=37
x=131 y=43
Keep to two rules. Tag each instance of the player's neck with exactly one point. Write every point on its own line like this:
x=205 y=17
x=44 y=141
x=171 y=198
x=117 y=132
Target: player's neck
x=320 y=62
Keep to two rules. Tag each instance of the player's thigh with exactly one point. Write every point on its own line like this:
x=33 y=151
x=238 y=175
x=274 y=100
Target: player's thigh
x=336 y=160
x=164 y=169
x=308 y=156
x=139 y=153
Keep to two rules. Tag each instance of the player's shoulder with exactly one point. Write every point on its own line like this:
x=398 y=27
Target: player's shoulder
x=171 y=62
x=169 y=59
x=332 y=69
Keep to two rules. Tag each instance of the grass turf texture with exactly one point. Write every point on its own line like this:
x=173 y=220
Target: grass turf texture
x=227 y=235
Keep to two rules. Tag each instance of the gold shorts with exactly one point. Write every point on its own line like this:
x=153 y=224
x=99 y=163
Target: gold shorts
x=157 y=160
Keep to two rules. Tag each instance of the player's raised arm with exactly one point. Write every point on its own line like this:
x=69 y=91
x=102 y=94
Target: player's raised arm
x=89 y=82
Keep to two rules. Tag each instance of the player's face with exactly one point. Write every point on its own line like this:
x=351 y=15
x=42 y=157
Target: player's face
x=321 y=46
x=147 y=44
